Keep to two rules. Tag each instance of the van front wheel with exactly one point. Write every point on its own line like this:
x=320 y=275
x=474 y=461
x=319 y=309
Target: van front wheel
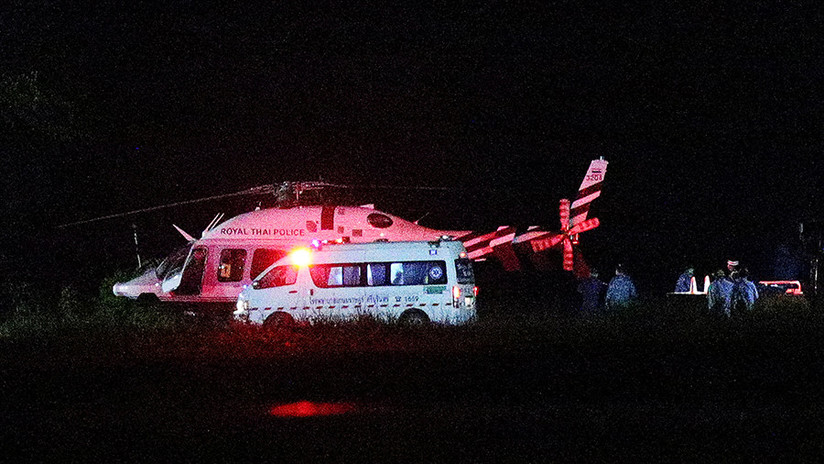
x=413 y=318
x=279 y=320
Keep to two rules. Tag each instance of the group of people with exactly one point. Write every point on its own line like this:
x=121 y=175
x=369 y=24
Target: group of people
x=620 y=292
x=730 y=292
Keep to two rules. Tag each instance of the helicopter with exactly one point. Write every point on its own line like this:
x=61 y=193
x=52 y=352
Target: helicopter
x=230 y=253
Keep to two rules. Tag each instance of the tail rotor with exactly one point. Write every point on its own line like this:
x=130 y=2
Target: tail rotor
x=568 y=236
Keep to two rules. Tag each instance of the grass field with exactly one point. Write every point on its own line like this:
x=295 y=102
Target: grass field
x=95 y=381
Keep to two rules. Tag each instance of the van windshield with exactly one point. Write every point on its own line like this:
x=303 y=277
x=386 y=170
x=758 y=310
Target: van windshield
x=463 y=267
x=278 y=277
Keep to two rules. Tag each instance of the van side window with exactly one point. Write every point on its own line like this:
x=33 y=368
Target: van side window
x=336 y=275
x=396 y=271
x=352 y=275
x=262 y=259
x=278 y=277
x=230 y=268
x=435 y=273
x=376 y=274
x=418 y=273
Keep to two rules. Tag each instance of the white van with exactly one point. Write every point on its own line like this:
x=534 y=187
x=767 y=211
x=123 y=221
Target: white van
x=411 y=282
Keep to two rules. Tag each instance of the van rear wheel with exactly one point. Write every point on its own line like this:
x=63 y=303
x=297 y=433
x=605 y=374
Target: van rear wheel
x=279 y=320
x=413 y=318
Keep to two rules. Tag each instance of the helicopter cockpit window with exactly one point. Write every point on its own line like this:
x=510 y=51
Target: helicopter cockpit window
x=230 y=268
x=173 y=263
x=380 y=221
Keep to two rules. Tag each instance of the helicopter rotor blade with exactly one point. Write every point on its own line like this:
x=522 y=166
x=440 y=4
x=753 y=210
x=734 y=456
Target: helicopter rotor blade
x=546 y=243
x=589 y=224
x=261 y=190
x=391 y=187
x=564 y=213
x=568 y=254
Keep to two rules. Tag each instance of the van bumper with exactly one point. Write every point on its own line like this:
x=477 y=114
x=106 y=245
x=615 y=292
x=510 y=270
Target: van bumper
x=464 y=316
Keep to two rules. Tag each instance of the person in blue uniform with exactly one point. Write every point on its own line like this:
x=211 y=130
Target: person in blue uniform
x=744 y=294
x=621 y=291
x=591 y=290
x=683 y=283
x=719 y=293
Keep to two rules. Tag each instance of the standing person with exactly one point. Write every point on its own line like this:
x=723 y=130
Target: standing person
x=743 y=294
x=683 y=283
x=621 y=291
x=732 y=266
x=591 y=290
x=718 y=295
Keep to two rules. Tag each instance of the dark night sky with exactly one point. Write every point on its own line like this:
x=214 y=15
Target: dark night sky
x=710 y=115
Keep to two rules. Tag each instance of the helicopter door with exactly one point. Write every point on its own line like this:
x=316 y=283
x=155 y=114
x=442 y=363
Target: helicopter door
x=191 y=282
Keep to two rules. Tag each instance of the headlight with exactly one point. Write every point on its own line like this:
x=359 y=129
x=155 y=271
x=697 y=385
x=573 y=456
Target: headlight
x=242 y=305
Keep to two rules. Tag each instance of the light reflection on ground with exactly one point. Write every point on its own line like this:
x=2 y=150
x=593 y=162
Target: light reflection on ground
x=310 y=409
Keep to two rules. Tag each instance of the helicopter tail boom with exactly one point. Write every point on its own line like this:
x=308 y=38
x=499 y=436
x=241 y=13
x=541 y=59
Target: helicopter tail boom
x=589 y=190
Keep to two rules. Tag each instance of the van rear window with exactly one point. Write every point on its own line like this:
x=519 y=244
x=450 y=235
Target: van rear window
x=463 y=267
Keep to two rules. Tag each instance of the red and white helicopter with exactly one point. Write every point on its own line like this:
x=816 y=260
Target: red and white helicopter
x=230 y=254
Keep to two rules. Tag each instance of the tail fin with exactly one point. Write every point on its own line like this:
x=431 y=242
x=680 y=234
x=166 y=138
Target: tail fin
x=589 y=190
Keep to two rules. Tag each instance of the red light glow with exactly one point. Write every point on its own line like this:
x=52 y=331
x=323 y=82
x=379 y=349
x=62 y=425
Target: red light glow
x=310 y=409
x=793 y=286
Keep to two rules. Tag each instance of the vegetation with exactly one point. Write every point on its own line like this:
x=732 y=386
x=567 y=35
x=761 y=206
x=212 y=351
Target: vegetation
x=31 y=313
x=511 y=325
x=662 y=381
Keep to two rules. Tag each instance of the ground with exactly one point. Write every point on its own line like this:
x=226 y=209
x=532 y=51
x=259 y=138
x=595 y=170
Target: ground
x=532 y=387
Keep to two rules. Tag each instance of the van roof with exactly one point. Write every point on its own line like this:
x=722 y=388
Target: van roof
x=391 y=246
x=329 y=254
